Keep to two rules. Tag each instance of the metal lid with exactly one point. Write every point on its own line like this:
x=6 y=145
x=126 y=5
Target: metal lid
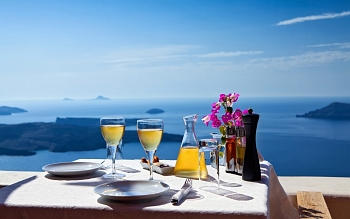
x=230 y=130
x=240 y=131
x=250 y=117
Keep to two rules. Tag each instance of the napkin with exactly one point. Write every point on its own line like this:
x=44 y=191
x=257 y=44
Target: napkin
x=186 y=188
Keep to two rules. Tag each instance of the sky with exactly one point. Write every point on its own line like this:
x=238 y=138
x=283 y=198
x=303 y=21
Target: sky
x=185 y=48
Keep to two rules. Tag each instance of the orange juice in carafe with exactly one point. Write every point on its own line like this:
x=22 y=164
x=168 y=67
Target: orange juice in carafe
x=188 y=161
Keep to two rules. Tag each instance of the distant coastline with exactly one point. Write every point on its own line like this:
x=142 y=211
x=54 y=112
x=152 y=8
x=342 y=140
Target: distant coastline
x=334 y=111
x=6 y=110
x=66 y=134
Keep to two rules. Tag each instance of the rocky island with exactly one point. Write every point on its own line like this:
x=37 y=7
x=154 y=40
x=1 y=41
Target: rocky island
x=334 y=111
x=66 y=134
x=97 y=98
x=101 y=98
x=155 y=111
x=6 y=110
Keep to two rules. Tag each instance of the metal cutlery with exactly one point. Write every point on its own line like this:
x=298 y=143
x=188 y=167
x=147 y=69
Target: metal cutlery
x=185 y=189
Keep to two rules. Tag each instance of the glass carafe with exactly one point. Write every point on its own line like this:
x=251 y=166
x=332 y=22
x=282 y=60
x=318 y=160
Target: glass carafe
x=187 y=159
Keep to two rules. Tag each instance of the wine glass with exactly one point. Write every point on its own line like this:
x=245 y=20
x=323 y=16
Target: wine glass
x=112 y=131
x=150 y=133
x=210 y=145
x=106 y=163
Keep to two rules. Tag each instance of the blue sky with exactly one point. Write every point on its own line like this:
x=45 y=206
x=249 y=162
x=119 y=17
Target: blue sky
x=82 y=49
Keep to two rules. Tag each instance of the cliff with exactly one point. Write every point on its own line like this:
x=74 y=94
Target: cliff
x=26 y=138
x=334 y=111
x=6 y=110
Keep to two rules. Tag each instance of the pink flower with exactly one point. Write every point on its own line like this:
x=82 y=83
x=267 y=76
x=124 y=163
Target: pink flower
x=222 y=98
x=216 y=105
x=206 y=119
x=237 y=116
x=216 y=123
x=234 y=97
x=228 y=117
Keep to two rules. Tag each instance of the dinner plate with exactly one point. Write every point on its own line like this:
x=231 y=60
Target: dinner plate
x=134 y=190
x=71 y=168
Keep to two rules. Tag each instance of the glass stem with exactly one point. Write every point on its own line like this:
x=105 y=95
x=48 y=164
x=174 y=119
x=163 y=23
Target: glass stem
x=107 y=152
x=150 y=155
x=113 y=150
x=217 y=151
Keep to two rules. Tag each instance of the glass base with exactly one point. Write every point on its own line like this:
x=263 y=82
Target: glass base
x=114 y=176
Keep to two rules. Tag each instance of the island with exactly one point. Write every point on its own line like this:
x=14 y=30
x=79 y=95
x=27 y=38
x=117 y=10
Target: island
x=334 y=111
x=101 y=98
x=6 y=110
x=155 y=111
x=67 y=99
x=71 y=134
x=97 y=98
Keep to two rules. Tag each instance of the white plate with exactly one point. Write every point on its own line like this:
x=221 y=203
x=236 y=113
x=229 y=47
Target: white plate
x=71 y=168
x=131 y=190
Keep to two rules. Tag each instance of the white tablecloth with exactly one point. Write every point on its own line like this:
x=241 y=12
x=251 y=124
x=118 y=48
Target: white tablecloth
x=47 y=196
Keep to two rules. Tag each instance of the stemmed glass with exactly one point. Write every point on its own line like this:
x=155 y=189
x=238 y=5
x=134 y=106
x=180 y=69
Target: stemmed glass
x=118 y=157
x=210 y=145
x=150 y=132
x=112 y=131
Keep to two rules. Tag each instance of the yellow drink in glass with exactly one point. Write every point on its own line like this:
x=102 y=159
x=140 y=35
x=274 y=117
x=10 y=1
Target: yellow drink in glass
x=150 y=138
x=112 y=133
x=187 y=163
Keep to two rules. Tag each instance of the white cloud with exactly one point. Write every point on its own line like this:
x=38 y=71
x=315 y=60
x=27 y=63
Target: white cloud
x=313 y=18
x=172 y=53
x=146 y=55
x=340 y=45
x=305 y=59
x=230 y=54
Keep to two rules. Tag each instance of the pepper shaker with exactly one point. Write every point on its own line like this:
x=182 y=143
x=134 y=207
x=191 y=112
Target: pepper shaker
x=251 y=167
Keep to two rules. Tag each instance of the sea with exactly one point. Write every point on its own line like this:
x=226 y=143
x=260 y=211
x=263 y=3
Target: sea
x=294 y=146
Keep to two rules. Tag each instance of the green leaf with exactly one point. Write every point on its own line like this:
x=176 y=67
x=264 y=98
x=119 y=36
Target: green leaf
x=229 y=109
x=223 y=140
x=222 y=129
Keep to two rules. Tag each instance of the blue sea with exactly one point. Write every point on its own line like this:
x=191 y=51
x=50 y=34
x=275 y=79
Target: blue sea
x=295 y=146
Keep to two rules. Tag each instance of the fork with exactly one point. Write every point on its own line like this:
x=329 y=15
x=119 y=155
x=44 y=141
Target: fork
x=188 y=181
x=185 y=189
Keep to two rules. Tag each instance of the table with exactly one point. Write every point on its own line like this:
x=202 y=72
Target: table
x=46 y=196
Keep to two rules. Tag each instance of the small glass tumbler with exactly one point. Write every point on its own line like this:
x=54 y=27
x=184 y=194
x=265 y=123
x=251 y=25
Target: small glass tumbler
x=221 y=151
x=210 y=145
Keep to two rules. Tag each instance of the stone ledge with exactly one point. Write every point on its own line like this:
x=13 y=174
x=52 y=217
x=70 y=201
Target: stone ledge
x=335 y=190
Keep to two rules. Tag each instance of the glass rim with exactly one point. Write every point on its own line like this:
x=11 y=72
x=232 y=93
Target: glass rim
x=149 y=120
x=112 y=117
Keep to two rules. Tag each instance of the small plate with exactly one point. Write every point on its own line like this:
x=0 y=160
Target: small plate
x=131 y=190
x=158 y=167
x=72 y=168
